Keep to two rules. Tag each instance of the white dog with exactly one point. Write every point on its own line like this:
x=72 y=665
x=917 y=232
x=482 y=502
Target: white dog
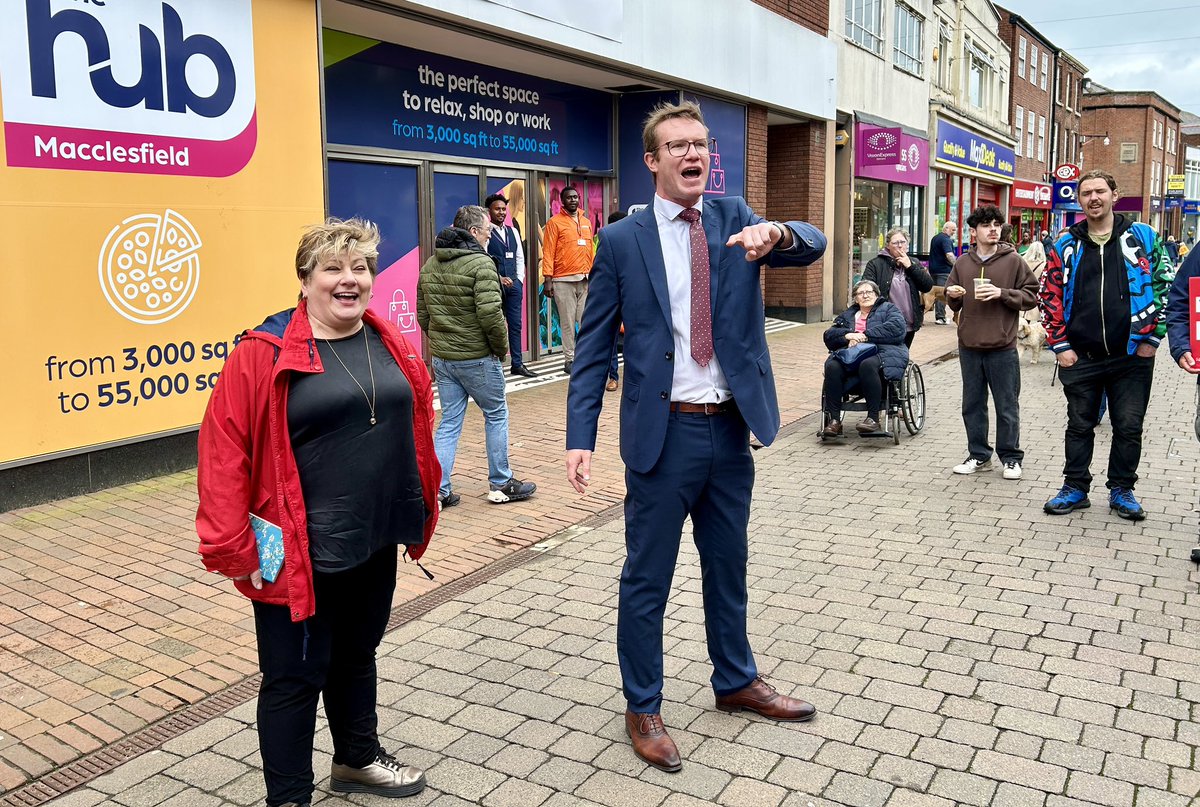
x=1031 y=336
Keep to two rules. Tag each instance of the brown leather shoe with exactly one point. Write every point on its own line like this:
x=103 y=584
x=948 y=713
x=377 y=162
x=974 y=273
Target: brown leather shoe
x=651 y=741
x=761 y=697
x=832 y=429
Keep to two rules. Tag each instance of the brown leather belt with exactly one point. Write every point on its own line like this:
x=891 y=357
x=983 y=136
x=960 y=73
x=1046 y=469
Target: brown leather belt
x=724 y=408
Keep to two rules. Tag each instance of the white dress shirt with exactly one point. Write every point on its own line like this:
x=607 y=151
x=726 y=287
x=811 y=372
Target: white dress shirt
x=690 y=383
x=511 y=241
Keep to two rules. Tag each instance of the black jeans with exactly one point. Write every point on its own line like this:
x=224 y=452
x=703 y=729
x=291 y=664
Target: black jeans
x=1000 y=372
x=1126 y=380
x=870 y=384
x=331 y=654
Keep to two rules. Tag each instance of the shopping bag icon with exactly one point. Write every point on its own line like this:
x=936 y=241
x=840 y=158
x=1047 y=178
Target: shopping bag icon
x=401 y=314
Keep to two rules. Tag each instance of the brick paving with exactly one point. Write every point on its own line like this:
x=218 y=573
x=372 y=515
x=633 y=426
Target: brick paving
x=963 y=647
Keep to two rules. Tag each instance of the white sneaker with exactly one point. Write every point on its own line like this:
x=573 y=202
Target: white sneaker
x=1012 y=470
x=971 y=465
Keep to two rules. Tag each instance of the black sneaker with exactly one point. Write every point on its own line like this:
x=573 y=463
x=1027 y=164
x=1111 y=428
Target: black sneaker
x=568 y=365
x=449 y=500
x=514 y=490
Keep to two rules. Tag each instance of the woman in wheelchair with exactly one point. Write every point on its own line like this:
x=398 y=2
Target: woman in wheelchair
x=866 y=344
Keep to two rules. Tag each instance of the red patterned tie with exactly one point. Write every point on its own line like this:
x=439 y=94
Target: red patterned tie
x=701 y=336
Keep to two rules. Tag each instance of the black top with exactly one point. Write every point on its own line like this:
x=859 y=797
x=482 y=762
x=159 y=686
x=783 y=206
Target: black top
x=362 y=489
x=1098 y=324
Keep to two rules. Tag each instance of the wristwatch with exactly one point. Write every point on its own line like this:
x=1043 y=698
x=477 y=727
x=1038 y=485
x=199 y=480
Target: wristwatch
x=780 y=227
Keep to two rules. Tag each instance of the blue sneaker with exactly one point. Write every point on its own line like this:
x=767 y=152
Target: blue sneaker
x=1121 y=500
x=1066 y=500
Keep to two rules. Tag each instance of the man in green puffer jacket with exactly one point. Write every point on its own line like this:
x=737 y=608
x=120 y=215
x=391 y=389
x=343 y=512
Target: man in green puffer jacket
x=459 y=308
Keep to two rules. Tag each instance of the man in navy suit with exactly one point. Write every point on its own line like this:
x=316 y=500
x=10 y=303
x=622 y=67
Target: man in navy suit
x=683 y=275
x=504 y=245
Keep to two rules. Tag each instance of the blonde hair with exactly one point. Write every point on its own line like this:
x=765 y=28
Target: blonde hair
x=664 y=112
x=334 y=238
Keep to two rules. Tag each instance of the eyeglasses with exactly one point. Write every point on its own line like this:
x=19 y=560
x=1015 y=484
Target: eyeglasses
x=900 y=243
x=865 y=293
x=679 y=148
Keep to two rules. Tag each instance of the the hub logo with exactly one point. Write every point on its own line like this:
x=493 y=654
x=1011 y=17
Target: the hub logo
x=129 y=85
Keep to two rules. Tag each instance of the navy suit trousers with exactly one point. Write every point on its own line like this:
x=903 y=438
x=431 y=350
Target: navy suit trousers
x=512 y=315
x=705 y=471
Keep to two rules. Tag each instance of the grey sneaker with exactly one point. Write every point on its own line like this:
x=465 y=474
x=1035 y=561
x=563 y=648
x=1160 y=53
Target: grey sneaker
x=383 y=777
x=514 y=490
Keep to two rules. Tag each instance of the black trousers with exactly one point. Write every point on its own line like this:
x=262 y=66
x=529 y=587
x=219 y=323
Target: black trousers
x=1126 y=380
x=332 y=654
x=998 y=372
x=870 y=384
x=513 y=297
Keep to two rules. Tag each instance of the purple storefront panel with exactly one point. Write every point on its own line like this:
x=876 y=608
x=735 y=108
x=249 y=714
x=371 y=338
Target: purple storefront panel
x=913 y=168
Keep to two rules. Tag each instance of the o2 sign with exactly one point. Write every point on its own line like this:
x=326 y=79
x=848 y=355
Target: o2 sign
x=130 y=87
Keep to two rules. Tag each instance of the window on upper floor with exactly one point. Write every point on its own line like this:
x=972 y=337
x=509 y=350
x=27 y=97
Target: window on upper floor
x=1045 y=68
x=1041 y=154
x=907 y=54
x=1157 y=135
x=1056 y=145
x=1155 y=178
x=1019 y=128
x=1070 y=90
x=1171 y=141
x=1058 y=99
x=944 y=58
x=1021 y=45
x=1033 y=61
x=1029 y=121
x=864 y=24
x=981 y=74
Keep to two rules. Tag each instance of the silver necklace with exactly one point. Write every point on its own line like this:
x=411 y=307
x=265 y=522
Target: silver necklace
x=370 y=368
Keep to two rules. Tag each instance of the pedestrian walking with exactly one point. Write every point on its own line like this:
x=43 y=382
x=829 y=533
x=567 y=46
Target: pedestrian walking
x=459 y=309
x=942 y=254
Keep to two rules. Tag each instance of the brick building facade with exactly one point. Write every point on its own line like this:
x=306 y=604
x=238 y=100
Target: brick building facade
x=1031 y=115
x=1144 y=148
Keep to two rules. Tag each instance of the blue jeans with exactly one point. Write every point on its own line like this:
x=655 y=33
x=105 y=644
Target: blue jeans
x=482 y=380
x=939 y=308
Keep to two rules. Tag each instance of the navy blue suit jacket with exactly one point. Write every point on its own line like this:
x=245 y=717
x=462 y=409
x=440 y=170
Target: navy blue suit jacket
x=628 y=284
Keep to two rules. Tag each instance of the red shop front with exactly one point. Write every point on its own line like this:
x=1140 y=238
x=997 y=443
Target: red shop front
x=1029 y=205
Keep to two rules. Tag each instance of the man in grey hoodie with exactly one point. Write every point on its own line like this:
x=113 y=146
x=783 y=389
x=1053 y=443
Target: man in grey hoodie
x=988 y=287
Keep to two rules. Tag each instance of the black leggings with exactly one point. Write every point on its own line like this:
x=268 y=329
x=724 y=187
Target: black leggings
x=870 y=384
x=332 y=654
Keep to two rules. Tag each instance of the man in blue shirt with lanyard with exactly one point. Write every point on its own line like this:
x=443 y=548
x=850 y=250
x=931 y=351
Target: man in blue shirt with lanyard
x=505 y=247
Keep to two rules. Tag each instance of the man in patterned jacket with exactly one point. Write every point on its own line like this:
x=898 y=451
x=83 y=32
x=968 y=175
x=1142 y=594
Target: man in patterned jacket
x=1102 y=302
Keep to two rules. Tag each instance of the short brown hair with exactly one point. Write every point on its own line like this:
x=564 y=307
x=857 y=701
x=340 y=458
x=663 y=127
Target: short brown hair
x=334 y=238
x=664 y=112
x=1096 y=173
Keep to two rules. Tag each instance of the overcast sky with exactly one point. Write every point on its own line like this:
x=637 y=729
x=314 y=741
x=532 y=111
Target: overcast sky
x=1155 y=47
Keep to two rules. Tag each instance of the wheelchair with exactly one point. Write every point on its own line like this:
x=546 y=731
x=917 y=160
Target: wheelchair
x=903 y=404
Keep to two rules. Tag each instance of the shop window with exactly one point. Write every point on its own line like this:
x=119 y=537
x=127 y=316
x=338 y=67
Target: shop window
x=909 y=36
x=864 y=24
x=871 y=208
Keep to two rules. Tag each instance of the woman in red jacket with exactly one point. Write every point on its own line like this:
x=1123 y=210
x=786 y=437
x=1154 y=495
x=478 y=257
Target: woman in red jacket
x=317 y=449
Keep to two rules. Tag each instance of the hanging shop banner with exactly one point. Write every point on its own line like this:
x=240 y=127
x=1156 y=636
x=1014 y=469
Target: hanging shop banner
x=1175 y=185
x=958 y=148
x=1065 y=195
x=880 y=145
x=912 y=167
x=388 y=96
x=159 y=162
x=1031 y=194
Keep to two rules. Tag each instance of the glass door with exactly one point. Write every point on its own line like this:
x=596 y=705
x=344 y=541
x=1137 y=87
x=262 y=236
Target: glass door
x=512 y=185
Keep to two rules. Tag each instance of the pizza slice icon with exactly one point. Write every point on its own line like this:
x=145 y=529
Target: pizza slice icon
x=150 y=266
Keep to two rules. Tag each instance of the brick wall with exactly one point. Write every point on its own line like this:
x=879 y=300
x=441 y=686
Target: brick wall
x=1030 y=97
x=1129 y=117
x=812 y=14
x=756 y=157
x=796 y=191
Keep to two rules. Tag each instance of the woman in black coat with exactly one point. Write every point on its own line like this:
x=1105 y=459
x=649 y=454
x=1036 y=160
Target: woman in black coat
x=872 y=321
x=901 y=280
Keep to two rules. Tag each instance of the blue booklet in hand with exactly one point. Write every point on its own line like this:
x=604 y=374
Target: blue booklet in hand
x=269 y=538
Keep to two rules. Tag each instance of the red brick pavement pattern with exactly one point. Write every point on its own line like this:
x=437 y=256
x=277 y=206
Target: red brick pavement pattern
x=108 y=621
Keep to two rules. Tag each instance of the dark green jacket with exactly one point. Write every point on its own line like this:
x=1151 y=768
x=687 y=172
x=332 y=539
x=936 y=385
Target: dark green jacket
x=459 y=302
